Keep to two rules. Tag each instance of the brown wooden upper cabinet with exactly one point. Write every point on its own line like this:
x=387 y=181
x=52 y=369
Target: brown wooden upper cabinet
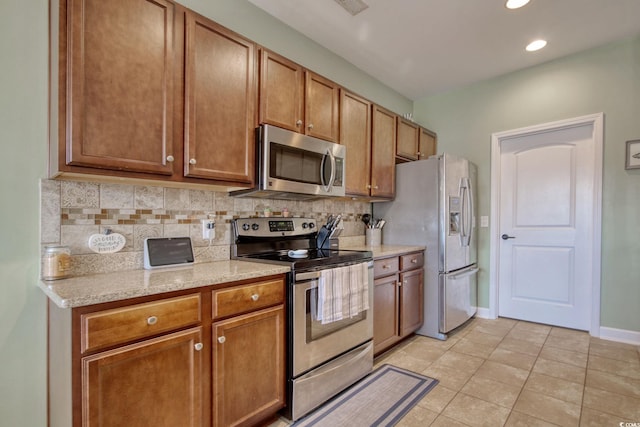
x=408 y=137
x=355 y=135
x=297 y=99
x=414 y=141
x=220 y=88
x=119 y=111
x=427 y=145
x=383 y=146
x=138 y=100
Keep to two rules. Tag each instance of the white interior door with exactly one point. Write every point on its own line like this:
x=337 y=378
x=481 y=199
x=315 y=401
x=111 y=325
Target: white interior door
x=548 y=226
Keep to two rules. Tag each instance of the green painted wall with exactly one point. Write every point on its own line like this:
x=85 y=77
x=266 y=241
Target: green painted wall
x=605 y=79
x=23 y=137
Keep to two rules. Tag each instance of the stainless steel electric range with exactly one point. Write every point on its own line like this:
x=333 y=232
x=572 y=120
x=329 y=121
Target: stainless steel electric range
x=323 y=358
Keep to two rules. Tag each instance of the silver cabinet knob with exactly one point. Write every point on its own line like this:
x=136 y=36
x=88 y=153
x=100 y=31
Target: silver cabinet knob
x=299 y=122
x=419 y=154
x=414 y=261
x=198 y=346
x=170 y=158
x=375 y=187
x=192 y=161
x=368 y=186
x=386 y=266
x=310 y=126
x=152 y=320
x=222 y=339
x=255 y=297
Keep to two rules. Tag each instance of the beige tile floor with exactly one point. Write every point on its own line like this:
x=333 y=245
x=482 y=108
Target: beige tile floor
x=511 y=373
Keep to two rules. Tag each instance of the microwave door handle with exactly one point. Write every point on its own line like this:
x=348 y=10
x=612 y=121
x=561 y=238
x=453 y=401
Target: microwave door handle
x=327 y=186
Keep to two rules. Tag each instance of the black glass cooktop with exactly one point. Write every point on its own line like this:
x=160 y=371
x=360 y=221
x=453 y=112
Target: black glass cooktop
x=313 y=258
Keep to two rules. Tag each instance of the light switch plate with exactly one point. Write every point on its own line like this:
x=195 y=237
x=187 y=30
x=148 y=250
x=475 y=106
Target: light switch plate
x=484 y=221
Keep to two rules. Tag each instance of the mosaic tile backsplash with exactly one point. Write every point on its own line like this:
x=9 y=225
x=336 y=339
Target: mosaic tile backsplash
x=72 y=211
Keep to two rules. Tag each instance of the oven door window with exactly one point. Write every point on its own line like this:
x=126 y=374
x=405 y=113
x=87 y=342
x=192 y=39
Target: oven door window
x=314 y=329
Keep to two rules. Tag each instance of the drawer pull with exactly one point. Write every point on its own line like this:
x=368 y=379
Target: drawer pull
x=152 y=320
x=386 y=266
x=222 y=339
x=414 y=261
x=198 y=346
x=255 y=297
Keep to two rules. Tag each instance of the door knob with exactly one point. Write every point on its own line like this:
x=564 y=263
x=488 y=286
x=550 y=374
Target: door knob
x=507 y=237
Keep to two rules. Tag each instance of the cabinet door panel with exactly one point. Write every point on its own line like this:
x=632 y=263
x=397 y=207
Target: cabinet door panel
x=248 y=367
x=407 y=143
x=321 y=107
x=120 y=111
x=427 y=146
x=220 y=102
x=383 y=147
x=411 y=300
x=355 y=134
x=281 y=92
x=385 y=312
x=154 y=383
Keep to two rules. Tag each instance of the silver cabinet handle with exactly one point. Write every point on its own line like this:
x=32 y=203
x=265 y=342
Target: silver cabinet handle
x=255 y=297
x=152 y=320
x=192 y=161
x=222 y=339
x=170 y=158
x=298 y=123
x=198 y=346
x=414 y=261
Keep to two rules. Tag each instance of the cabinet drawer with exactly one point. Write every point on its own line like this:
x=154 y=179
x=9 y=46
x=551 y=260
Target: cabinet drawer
x=119 y=325
x=408 y=262
x=243 y=299
x=386 y=266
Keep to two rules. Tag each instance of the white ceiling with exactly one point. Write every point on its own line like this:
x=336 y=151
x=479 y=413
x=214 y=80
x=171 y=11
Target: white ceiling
x=423 y=47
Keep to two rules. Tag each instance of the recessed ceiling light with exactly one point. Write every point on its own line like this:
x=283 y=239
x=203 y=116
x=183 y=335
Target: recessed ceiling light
x=536 y=45
x=354 y=7
x=515 y=4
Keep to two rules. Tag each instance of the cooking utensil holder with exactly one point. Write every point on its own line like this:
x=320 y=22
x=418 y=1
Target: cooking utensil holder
x=373 y=236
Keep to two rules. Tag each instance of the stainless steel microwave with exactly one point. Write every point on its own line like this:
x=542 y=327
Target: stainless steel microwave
x=294 y=166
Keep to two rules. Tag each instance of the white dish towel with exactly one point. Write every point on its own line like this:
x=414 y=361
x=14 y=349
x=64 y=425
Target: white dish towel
x=343 y=292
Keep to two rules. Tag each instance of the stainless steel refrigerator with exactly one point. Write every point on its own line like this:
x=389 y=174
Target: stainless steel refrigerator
x=435 y=207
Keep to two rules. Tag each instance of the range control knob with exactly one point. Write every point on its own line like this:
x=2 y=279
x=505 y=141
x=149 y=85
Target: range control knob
x=245 y=227
x=305 y=225
x=312 y=225
x=255 y=227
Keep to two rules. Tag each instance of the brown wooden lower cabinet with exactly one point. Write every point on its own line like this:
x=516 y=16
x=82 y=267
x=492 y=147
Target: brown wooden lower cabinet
x=398 y=306
x=248 y=367
x=158 y=382
x=173 y=359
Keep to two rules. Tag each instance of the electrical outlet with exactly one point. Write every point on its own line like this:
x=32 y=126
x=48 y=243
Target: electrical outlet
x=208 y=225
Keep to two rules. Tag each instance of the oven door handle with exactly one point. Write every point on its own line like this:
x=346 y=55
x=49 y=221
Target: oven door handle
x=300 y=277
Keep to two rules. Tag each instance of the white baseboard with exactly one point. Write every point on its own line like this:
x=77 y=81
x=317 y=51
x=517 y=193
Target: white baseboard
x=484 y=313
x=620 y=335
x=610 y=334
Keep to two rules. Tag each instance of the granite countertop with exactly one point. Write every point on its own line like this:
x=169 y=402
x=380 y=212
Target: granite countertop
x=384 y=251
x=98 y=288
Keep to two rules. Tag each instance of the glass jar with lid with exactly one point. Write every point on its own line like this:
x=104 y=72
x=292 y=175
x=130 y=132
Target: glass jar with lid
x=56 y=263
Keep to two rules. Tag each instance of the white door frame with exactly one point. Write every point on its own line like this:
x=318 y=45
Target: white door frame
x=595 y=120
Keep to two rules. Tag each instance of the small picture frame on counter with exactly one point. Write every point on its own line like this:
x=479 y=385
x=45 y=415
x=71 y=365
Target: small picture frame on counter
x=633 y=154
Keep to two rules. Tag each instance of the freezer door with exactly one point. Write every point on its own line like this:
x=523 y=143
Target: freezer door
x=458 y=297
x=457 y=218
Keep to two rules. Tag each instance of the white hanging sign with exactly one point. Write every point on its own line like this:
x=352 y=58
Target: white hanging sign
x=107 y=243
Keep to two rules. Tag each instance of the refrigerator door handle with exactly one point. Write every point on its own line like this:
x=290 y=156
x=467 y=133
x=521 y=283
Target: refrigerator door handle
x=467 y=209
x=464 y=274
